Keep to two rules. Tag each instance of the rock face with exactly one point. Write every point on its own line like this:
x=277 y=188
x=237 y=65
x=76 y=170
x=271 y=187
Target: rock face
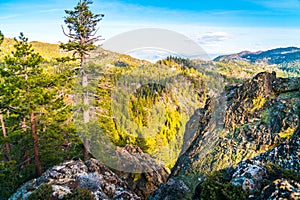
x=270 y=175
x=281 y=189
x=91 y=175
x=99 y=180
x=255 y=120
x=151 y=176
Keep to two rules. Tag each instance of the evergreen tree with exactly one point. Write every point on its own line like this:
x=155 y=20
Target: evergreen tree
x=82 y=29
x=35 y=107
x=7 y=145
x=22 y=90
x=1 y=37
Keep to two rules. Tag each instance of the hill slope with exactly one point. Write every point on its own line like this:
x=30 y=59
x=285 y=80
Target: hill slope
x=274 y=56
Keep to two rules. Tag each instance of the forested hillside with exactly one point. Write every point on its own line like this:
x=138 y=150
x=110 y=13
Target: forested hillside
x=37 y=96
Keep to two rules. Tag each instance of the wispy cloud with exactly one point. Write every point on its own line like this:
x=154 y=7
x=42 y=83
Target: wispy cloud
x=8 y=16
x=277 y=4
x=51 y=10
x=211 y=38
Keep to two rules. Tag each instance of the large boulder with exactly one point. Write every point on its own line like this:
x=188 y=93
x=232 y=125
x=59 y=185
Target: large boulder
x=150 y=174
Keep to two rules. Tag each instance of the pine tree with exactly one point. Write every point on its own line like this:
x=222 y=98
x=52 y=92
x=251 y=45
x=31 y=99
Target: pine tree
x=7 y=145
x=82 y=29
x=1 y=37
x=22 y=90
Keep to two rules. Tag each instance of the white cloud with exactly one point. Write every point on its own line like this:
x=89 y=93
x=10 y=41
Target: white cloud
x=211 y=38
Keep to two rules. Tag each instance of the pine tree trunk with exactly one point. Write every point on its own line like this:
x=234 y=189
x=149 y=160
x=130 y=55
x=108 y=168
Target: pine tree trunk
x=7 y=146
x=27 y=160
x=86 y=110
x=24 y=128
x=35 y=145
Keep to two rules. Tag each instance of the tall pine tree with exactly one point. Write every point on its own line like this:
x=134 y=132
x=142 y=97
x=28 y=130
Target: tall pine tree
x=22 y=89
x=82 y=29
x=7 y=145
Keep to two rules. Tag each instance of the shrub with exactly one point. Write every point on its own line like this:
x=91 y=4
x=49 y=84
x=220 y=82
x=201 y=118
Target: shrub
x=80 y=194
x=44 y=192
x=217 y=186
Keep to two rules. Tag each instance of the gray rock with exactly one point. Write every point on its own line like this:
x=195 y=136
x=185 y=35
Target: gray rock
x=91 y=175
x=171 y=190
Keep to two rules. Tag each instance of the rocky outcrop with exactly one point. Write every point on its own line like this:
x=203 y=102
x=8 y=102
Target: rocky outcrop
x=281 y=189
x=274 y=174
x=151 y=174
x=67 y=177
x=141 y=177
x=254 y=120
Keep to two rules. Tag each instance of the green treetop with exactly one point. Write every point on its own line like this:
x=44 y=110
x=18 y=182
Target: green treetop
x=82 y=28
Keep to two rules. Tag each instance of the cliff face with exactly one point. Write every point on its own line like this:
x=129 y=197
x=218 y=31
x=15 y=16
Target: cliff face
x=255 y=120
x=270 y=175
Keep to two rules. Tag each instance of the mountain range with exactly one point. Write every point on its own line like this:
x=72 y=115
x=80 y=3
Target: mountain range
x=270 y=57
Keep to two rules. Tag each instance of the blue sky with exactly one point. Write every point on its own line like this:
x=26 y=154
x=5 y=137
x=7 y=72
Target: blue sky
x=219 y=26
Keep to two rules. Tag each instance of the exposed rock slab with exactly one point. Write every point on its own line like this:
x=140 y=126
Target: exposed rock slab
x=68 y=176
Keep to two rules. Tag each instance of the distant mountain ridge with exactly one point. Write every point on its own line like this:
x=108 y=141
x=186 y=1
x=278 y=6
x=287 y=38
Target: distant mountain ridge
x=274 y=56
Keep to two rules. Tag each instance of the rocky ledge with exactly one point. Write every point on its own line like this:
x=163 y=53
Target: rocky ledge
x=93 y=180
x=64 y=179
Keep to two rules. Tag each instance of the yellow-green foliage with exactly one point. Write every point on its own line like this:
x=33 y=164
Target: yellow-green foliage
x=234 y=69
x=241 y=70
x=287 y=134
x=48 y=51
x=152 y=112
x=258 y=103
x=136 y=176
